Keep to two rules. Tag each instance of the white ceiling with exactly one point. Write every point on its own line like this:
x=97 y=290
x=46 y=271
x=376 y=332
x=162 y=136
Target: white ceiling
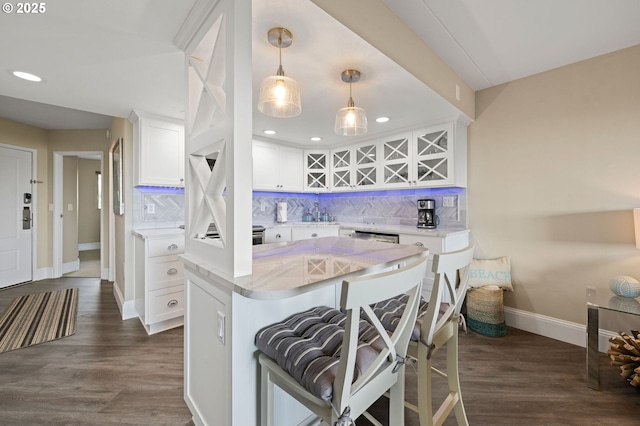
x=490 y=42
x=105 y=58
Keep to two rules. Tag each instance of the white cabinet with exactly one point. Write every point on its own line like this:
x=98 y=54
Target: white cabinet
x=158 y=154
x=346 y=232
x=355 y=167
x=430 y=157
x=436 y=245
x=277 y=235
x=304 y=233
x=276 y=167
x=316 y=170
x=159 y=282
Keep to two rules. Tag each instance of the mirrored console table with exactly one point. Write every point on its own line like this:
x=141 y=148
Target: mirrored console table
x=602 y=298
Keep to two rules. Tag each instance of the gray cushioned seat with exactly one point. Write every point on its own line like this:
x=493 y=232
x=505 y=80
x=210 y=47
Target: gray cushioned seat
x=307 y=345
x=389 y=312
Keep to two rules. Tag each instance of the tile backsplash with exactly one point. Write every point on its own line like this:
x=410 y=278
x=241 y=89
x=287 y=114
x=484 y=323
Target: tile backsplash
x=158 y=207
x=164 y=207
x=383 y=207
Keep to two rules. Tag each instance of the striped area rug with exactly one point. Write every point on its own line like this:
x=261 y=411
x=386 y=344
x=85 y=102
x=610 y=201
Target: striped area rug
x=38 y=318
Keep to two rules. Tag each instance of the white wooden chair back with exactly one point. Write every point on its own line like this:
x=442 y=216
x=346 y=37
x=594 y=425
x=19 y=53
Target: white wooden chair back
x=357 y=296
x=451 y=276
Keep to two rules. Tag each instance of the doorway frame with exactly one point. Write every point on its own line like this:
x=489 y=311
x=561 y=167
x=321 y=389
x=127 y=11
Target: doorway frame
x=57 y=246
x=34 y=204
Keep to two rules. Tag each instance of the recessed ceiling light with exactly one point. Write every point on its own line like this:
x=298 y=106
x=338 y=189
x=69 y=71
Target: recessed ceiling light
x=382 y=119
x=269 y=132
x=315 y=138
x=27 y=76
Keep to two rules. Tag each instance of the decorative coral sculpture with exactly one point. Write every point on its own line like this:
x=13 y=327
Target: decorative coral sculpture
x=625 y=353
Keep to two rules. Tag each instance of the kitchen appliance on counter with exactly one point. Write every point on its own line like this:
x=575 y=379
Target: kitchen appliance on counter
x=281 y=212
x=257 y=233
x=427 y=217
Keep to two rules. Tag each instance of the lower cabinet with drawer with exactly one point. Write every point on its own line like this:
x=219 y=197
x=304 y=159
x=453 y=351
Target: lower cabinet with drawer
x=159 y=282
x=306 y=233
x=436 y=245
x=277 y=234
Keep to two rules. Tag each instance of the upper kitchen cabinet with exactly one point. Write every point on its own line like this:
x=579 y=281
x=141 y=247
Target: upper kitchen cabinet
x=158 y=153
x=277 y=167
x=355 y=167
x=316 y=170
x=430 y=157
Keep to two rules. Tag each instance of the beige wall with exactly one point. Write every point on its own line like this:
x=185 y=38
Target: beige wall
x=88 y=213
x=18 y=134
x=553 y=176
x=74 y=141
x=69 y=209
x=121 y=128
x=45 y=142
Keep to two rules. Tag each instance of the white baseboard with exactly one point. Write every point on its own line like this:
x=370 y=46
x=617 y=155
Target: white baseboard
x=105 y=274
x=127 y=307
x=74 y=265
x=42 y=274
x=89 y=246
x=564 y=331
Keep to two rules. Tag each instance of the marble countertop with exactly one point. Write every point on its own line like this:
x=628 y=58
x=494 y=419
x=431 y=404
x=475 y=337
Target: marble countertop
x=287 y=269
x=157 y=232
x=375 y=227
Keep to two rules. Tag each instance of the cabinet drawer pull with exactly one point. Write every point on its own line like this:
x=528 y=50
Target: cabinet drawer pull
x=419 y=244
x=172 y=303
x=278 y=236
x=314 y=235
x=173 y=246
x=172 y=271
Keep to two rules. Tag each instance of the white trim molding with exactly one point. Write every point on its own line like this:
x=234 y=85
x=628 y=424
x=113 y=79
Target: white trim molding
x=564 y=331
x=127 y=307
x=89 y=246
x=43 y=274
x=72 y=266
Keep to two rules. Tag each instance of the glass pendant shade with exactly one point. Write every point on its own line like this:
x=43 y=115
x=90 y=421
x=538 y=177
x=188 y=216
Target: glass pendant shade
x=351 y=121
x=279 y=97
x=279 y=94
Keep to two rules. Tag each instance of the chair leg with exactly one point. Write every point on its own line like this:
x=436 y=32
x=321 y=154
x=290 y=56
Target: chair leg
x=396 y=399
x=425 y=408
x=266 y=397
x=454 y=379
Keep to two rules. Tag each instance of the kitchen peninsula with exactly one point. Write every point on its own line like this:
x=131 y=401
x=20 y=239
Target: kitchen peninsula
x=221 y=368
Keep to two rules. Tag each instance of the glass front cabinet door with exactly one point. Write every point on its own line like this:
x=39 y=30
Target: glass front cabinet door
x=366 y=166
x=433 y=156
x=397 y=161
x=355 y=167
x=316 y=170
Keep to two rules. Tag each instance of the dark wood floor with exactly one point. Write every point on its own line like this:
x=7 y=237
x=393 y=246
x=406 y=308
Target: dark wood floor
x=111 y=372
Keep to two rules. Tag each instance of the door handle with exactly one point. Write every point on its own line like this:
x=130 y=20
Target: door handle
x=26 y=218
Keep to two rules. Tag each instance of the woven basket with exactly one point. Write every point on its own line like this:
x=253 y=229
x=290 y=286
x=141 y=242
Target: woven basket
x=485 y=311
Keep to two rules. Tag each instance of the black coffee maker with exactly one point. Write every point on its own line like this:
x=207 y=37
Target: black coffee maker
x=427 y=217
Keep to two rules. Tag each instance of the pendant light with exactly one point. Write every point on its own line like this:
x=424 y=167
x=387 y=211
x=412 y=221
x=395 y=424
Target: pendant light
x=351 y=121
x=279 y=94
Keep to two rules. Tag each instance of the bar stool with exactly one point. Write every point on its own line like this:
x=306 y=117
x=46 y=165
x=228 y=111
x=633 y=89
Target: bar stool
x=435 y=328
x=336 y=363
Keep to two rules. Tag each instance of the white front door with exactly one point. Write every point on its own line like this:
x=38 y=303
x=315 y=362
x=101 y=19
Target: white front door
x=15 y=216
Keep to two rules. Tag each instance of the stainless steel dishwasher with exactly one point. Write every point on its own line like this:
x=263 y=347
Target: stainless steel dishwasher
x=377 y=236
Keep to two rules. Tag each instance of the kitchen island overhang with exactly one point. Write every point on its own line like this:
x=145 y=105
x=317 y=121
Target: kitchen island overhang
x=287 y=269
x=223 y=314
